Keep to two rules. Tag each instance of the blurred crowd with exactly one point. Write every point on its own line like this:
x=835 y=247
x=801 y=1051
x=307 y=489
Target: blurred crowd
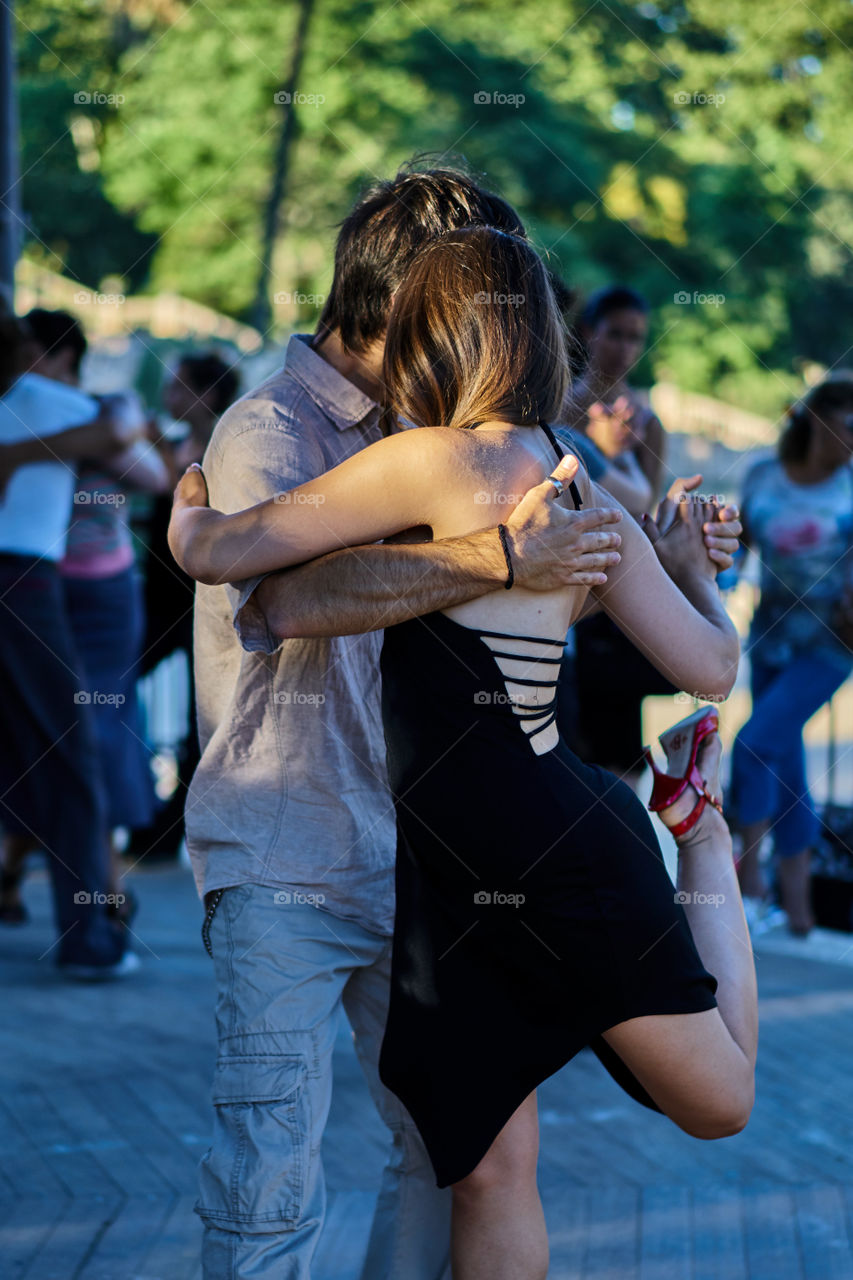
x=92 y=601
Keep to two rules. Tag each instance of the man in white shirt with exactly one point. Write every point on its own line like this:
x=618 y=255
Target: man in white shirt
x=50 y=784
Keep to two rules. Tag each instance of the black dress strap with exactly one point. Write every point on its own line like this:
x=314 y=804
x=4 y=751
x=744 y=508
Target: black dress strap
x=512 y=635
x=560 y=452
x=555 y=444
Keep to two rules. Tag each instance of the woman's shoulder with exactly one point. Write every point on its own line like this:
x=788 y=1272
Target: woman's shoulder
x=452 y=444
x=435 y=456
x=420 y=443
x=451 y=458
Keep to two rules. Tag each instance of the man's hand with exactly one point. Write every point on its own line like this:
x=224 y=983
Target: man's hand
x=553 y=547
x=722 y=531
x=677 y=536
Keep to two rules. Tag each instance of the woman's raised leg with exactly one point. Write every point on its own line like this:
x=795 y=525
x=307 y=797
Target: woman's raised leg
x=498 y=1227
x=700 y=1067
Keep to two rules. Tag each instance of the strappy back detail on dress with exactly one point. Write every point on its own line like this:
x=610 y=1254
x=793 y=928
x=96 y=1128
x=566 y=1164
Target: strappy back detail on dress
x=545 y=711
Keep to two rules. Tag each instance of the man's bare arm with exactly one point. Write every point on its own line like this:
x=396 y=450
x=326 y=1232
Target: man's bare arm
x=368 y=588
x=95 y=439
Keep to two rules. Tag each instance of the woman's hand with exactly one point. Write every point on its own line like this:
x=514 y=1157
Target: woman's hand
x=678 y=536
x=193 y=526
x=191 y=490
x=723 y=531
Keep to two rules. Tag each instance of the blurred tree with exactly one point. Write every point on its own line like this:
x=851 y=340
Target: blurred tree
x=694 y=151
x=67 y=60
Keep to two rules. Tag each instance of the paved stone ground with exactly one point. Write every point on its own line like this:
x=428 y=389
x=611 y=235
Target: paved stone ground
x=105 y=1115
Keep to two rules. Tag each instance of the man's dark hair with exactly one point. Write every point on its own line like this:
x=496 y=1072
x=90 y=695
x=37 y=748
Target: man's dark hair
x=206 y=372
x=14 y=336
x=382 y=235
x=53 y=331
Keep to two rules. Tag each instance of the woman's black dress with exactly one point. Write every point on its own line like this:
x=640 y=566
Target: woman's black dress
x=534 y=910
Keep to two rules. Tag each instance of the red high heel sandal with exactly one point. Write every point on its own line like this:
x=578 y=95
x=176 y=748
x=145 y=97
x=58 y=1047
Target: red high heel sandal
x=681 y=744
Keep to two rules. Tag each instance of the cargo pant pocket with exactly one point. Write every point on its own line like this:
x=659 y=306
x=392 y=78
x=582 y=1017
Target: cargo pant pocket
x=253 y=1177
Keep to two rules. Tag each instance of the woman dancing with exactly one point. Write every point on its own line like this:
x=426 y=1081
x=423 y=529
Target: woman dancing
x=799 y=518
x=534 y=912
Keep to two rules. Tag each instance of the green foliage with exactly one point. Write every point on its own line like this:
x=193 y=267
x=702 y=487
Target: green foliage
x=685 y=148
x=67 y=52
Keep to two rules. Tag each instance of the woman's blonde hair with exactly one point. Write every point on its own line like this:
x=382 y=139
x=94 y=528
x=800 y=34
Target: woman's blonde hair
x=475 y=334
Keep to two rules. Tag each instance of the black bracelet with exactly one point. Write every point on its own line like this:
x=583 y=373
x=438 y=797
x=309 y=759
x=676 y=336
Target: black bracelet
x=510 y=577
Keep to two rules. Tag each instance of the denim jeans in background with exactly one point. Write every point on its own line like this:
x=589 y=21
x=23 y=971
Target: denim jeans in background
x=769 y=780
x=284 y=968
x=105 y=615
x=50 y=779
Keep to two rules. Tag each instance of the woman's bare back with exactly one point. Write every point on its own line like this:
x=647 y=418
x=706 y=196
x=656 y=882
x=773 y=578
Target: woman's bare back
x=496 y=466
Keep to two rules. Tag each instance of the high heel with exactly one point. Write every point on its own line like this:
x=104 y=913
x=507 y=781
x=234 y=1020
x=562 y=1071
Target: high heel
x=681 y=744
